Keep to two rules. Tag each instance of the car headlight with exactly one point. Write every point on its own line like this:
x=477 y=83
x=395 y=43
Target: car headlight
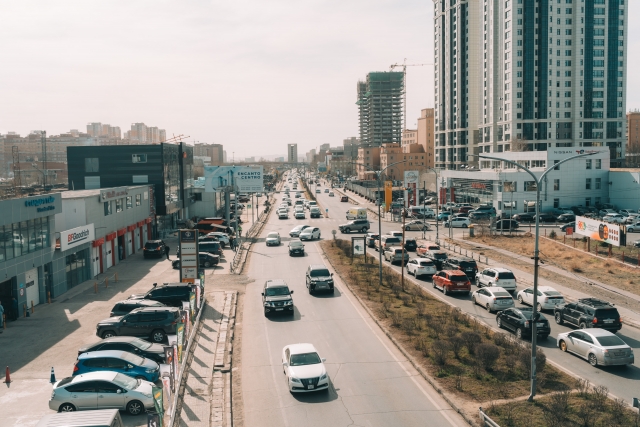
x=288 y=302
x=150 y=371
x=295 y=380
x=267 y=304
x=324 y=377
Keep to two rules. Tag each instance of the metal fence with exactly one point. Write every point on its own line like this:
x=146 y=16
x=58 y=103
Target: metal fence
x=486 y=420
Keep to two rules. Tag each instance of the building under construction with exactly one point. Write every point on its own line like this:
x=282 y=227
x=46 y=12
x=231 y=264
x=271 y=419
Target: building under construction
x=380 y=103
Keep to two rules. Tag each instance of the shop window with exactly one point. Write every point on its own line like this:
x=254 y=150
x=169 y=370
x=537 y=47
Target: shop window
x=107 y=208
x=77 y=268
x=138 y=199
x=119 y=205
x=129 y=202
x=92 y=165
x=139 y=158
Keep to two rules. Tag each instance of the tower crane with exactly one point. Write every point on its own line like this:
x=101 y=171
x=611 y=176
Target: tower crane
x=404 y=66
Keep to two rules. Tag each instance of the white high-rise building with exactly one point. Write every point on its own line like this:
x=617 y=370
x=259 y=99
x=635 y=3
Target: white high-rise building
x=518 y=75
x=292 y=153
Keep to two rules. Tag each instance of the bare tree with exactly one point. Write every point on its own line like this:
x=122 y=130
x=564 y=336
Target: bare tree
x=632 y=156
x=520 y=144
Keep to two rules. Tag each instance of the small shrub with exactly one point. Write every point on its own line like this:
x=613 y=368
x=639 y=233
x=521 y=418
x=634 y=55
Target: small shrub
x=600 y=395
x=451 y=330
x=500 y=340
x=396 y=318
x=618 y=409
x=396 y=289
x=471 y=339
x=583 y=386
x=456 y=345
x=575 y=267
x=487 y=355
x=423 y=346
x=421 y=308
x=553 y=234
x=440 y=350
x=557 y=409
x=409 y=325
x=524 y=358
x=386 y=306
x=586 y=415
x=406 y=300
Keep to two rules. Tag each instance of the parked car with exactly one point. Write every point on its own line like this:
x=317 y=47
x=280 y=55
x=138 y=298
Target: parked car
x=450 y=281
x=457 y=223
x=304 y=368
x=548 y=297
x=126 y=393
x=507 y=224
x=524 y=217
x=421 y=250
x=344 y=198
x=566 y=217
x=125 y=307
x=464 y=264
x=478 y=216
x=443 y=216
x=326 y=190
x=141 y=322
x=417 y=226
x=421 y=267
x=118 y=361
x=605 y=212
x=371 y=239
x=273 y=239
x=493 y=299
x=170 y=294
x=318 y=278
x=497 y=276
x=360 y=225
x=589 y=313
x=519 y=320
x=213 y=248
x=206 y=260
x=133 y=345
x=614 y=218
x=410 y=244
x=438 y=257
x=310 y=233
x=296 y=248
x=395 y=254
x=154 y=248
x=598 y=346
x=318 y=190
x=276 y=297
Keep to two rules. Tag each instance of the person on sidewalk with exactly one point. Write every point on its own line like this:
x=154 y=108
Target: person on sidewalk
x=14 y=304
x=234 y=244
x=166 y=251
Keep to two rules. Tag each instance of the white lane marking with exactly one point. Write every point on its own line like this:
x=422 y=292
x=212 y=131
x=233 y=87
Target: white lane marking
x=444 y=413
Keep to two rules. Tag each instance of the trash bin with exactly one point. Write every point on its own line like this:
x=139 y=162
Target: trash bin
x=471 y=232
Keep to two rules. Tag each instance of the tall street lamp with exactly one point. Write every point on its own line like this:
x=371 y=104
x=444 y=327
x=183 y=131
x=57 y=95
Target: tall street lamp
x=535 y=315
x=379 y=202
x=437 y=200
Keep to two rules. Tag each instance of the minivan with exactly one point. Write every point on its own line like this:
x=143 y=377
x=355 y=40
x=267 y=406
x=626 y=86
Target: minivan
x=387 y=241
x=355 y=212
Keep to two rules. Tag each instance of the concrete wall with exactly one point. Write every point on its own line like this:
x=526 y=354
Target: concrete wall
x=624 y=191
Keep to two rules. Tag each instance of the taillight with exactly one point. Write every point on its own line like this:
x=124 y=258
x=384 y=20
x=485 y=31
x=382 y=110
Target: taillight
x=595 y=320
x=526 y=324
x=174 y=322
x=75 y=367
x=620 y=320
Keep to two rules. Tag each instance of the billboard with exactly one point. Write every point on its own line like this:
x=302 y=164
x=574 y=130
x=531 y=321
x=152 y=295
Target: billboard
x=411 y=184
x=218 y=177
x=598 y=230
x=249 y=179
x=76 y=236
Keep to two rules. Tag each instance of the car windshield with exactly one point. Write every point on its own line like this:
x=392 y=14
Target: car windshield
x=506 y=275
x=501 y=294
x=132 y=358
x=320 y=273
x=468 y=264
x=552 y=293
x=610 y=341
x=151 y=245
x=458 y=278
x=126 y=381
x=272 y=235
x=439 y=255
x=141 y=344
x=305 y=359
x=295 y=244
x=611 y=313
x=280 y=290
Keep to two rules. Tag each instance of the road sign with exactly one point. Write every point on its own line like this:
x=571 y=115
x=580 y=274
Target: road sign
x=189 y=260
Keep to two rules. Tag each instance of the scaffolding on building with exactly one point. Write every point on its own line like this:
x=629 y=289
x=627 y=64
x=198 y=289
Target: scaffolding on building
x=381 y=107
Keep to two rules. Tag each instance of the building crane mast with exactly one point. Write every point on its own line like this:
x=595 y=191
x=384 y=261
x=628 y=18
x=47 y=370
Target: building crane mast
x=404 y=66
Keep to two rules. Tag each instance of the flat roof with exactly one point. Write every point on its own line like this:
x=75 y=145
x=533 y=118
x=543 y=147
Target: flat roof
x=81 y=194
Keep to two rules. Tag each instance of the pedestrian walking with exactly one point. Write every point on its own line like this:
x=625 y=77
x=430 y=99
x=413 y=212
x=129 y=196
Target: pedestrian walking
x=166 y=251
x=14 y=304
x=234 y=244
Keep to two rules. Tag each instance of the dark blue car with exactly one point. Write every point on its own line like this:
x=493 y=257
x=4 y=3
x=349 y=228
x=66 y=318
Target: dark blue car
x=117 y=361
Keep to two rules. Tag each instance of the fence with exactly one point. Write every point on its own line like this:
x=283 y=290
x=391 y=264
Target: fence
x=486 y=420
x=458 y=250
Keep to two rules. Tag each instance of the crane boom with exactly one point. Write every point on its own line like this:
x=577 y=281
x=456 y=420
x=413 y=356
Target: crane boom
x=404 y=66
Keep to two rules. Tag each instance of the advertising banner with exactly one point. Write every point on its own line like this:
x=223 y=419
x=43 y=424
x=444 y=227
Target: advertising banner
x=168 y=356
x=157 y=400
x=77 y=236
x=217 y=178
x=196 y=288
x=598 y=230
x=192 y=304
x=175 y=363
x=358 y=245
x=411 y=184
x=249 y=179
x=180 y=332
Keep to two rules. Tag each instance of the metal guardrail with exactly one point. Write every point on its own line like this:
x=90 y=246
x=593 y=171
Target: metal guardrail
x=486 y=419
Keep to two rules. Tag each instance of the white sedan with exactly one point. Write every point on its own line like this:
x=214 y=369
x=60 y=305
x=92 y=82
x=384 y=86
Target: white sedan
x=458 y=223
x=299 y=215
x=310 y=233
x=273 y=238
x=494 y=298
x=548 y=297
x=304 y=368
x=421 y=267
x=283 y=214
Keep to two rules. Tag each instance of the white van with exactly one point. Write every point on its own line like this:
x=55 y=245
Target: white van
x=93 y=418
x=355 y=212
x=421 y=212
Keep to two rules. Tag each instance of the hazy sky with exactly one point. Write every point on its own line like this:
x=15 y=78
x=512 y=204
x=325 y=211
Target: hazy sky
x=253 y=75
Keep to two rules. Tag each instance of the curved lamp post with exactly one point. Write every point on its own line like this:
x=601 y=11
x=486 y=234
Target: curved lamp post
x=536 y=252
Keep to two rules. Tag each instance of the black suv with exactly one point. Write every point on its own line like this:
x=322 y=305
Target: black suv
x=276 y=297
x=519 y=321
x=589 y=313
x=154 y=248
x=361 y=225
x=410 y=245
x=319 y=279
x=125 y=307
x=133 y=345
x=467 y=265
x=152 y=322
x=206 y=260
x=170 y=294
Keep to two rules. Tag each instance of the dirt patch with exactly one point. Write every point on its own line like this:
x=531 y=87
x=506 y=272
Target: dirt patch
x=464 y=356
x=571 y=260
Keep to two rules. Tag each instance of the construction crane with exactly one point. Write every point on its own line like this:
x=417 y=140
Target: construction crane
x=404 y=66
x=176 y=139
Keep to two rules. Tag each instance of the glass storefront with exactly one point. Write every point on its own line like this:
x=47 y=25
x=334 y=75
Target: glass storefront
x=77 y=268
x=23 y=237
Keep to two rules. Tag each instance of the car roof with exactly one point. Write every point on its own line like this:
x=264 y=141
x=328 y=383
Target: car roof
x=455 y=272
x=597 y=332
x=502 y=270
x=102 y=353
x=545 y=288
x=494 y=289
x=147 y=302
x=295 y=241
x=90 y=376
x=153 y=309
x=275 y=283
x=301 y=348
x=154 y=241
x=318 y=267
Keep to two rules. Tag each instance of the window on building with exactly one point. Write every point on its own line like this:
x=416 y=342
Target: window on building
x=555 y=162
x=556 y=203
x=129 y=202
x=119 y=205
x=138 y=199
x=107 y=208
x=598 y=183
x=556 y=185
x=588 y=184
x=598 y=163
x=91 y=165
x=587 y=202
x=529 y=186
x=589 y=164
x=139 y=158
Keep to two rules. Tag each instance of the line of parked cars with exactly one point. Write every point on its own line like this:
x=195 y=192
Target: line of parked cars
x=119 y=371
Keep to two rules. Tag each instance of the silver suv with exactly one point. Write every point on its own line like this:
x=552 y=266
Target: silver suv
x=496 y=277
x=393 y=254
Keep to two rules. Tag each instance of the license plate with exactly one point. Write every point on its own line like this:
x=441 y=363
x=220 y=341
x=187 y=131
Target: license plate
x=608 y=320
x=279 y=309
x=310 y=387
x=620 y=353
x=540 y=325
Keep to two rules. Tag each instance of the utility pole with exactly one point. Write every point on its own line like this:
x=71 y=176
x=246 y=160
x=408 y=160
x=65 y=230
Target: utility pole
x=404 y=216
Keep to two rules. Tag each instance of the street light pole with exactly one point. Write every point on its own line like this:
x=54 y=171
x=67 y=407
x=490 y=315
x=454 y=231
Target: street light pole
x=536 y=253
x=437 y=200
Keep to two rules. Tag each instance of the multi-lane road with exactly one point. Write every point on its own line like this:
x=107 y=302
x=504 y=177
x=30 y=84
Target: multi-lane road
x=372 y=385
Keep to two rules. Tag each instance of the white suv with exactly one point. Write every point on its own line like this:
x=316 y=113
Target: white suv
x=496 y=277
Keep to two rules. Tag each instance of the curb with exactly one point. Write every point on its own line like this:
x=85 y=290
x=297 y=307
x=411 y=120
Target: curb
x=409 y=357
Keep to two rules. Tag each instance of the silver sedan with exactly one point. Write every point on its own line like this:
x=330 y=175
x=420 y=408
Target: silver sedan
x=416 y=226
x=598 y=346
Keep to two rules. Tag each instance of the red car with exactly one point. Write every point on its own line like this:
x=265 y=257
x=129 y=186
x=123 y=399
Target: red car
x=422 y=250
x=450 y=281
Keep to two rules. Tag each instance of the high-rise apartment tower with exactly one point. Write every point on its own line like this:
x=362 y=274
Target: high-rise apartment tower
x=380 y=103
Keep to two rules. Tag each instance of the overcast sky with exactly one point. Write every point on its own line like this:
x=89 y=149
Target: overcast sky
x=253 y=75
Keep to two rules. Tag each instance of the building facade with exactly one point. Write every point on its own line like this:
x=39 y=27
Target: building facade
x=292 y=153
x=380 y=108
x=426 y=135
x=214 y=151
x=368 y=160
